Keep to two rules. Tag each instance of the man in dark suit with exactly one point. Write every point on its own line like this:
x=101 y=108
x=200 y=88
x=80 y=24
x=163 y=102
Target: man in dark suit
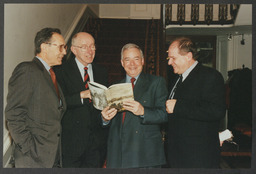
x=34 y=107
x=195 y=108
x=84 y=140
x=135 y=139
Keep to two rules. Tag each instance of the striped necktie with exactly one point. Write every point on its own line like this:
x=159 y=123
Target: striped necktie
x=86 y=77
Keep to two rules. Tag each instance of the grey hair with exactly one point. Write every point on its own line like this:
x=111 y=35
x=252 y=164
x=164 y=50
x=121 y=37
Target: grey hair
x=131 y=45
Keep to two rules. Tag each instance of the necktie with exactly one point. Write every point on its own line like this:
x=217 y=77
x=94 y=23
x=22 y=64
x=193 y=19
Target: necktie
x=177 y=84
x=132 y=81
x=53 y=76
x=86 y=77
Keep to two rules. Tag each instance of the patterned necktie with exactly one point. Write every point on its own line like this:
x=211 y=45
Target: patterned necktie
x=86 y=77
x=177 y=84
x=53 y=76
x=132 y=81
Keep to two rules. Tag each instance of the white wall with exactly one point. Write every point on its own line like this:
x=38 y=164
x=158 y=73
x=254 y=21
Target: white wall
x=114 y=11
x=130 y=11
x=21 y=22
x=222 y=55
x=239 y=55
x=232 y=55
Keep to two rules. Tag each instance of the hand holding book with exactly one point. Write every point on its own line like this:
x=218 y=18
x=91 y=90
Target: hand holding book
x=108 y=113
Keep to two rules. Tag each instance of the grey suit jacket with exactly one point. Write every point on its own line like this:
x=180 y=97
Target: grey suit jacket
x=33 y=115
x=138 y=142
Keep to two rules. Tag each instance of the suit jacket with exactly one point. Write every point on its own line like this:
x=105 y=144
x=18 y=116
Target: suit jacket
x=81 y=123
x=193 y=139
x=138 y=142
x=33 y=114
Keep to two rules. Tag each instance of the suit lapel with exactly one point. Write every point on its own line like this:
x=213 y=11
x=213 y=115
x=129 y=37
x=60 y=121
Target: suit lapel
x=75 y=78
x=46 y=74
x=188 y=81
x=74 y=74
x=95 y=71
x=48 y=78
x=139 y=89
x=140 y=86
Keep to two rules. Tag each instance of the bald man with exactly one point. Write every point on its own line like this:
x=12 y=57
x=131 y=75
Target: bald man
x=84 y=140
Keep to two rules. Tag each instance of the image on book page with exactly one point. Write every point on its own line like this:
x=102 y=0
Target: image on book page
x=112 y=96
x=118 y=93
x=98 y=95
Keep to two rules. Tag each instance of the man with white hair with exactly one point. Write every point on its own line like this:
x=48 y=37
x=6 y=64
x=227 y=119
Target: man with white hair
x=83 y=140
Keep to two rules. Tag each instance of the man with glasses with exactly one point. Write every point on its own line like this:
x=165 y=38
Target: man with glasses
x=83 y=140
x=35 y=104
x=195 y=106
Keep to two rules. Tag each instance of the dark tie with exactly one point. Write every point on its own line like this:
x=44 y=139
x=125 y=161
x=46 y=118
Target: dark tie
x=132 y=81
x=86 y=77
x=177 y=84
x=53 y=76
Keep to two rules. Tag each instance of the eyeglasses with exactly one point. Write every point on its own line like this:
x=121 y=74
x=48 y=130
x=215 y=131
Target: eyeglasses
x=168 y=56
x=86 y=47
x=61 y=47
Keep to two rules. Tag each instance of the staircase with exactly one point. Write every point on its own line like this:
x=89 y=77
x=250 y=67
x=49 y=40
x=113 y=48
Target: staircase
x=111 y=35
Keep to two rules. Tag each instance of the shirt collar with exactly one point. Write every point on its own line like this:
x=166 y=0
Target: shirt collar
x=47 y=67
x=186 y=73
x=128 y=79
x=81 y=66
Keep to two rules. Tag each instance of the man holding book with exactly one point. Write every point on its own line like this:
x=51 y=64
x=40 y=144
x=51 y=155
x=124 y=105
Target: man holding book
x=135 y=139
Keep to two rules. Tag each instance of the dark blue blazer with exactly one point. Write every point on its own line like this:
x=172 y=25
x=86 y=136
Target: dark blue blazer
x=193 y=140
x=138 y=142
x=81 y=123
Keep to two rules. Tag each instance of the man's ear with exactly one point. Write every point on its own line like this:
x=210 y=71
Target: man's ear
x=122 y=62
x=73 y=50
x=189 y=56
x=43 y=47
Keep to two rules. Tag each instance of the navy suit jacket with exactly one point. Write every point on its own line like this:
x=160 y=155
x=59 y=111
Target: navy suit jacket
x=81 y=123
x=193 y=127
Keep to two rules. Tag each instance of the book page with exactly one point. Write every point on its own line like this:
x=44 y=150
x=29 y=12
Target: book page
x=98 y=95
x=118 y=93
x=97 y=85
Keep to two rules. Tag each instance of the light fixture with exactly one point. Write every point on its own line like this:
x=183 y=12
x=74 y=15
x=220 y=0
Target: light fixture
x=229 y=37
x=242 y=41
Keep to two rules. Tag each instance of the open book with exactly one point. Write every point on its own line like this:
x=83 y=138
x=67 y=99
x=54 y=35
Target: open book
x=112 y=96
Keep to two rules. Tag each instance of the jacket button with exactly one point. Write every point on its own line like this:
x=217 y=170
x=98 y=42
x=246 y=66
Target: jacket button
x=58 y=135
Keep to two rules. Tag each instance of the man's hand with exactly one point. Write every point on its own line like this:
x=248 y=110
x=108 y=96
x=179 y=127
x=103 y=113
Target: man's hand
x=108 y=114
x=133 y=106
x=170 y=104
x=86 y=94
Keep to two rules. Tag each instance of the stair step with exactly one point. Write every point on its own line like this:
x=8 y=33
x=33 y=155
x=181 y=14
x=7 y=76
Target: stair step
x=113 y=34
